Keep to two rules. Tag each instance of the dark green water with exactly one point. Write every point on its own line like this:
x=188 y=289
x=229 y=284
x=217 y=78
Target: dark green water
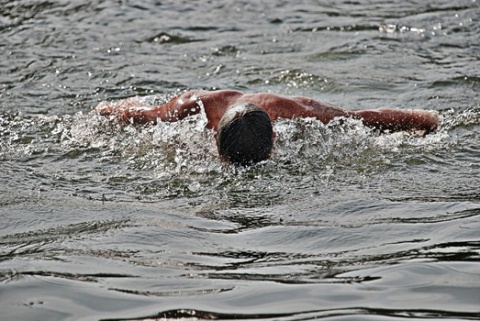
x=101 y=222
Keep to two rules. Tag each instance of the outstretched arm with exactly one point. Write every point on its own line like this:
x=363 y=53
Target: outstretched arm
x=383 y=119
x=136 y=111
x=394 y=120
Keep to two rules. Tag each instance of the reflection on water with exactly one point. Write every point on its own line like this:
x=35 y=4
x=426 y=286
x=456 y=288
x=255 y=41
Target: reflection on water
x=107 y=222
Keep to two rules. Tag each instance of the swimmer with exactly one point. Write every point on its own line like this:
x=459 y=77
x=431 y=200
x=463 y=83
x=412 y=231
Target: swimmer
x=243 y=122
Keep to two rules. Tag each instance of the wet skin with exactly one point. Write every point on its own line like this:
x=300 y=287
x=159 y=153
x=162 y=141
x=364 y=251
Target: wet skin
x=215 y=104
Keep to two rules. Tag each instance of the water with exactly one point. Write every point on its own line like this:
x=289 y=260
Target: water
x=102 y=222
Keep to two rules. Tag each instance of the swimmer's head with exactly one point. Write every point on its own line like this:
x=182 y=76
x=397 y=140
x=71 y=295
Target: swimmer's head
x=245 y=135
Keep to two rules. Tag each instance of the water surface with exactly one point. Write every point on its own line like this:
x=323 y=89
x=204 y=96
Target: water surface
x=108 y=222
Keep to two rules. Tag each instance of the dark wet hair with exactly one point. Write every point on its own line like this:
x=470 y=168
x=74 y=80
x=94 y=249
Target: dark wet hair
x=245 y=135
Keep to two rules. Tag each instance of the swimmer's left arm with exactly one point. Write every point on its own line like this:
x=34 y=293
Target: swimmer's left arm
x=394 y=120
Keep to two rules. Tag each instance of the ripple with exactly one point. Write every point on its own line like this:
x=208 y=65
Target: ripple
x=102 y=221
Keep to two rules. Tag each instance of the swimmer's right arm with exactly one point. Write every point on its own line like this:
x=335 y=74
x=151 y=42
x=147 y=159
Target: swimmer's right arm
x=130 y=110
x=133 y=110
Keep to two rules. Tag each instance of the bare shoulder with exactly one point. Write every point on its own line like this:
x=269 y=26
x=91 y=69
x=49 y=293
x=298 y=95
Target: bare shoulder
x=220 y=94
x=206 y=95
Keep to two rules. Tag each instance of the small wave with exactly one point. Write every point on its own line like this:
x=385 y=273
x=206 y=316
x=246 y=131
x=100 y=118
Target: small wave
x=164 y=37
x=453 y=119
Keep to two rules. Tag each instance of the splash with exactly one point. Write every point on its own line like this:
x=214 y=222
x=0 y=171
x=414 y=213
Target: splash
x=188 y=147
x=453 y=119
x=171 y=160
